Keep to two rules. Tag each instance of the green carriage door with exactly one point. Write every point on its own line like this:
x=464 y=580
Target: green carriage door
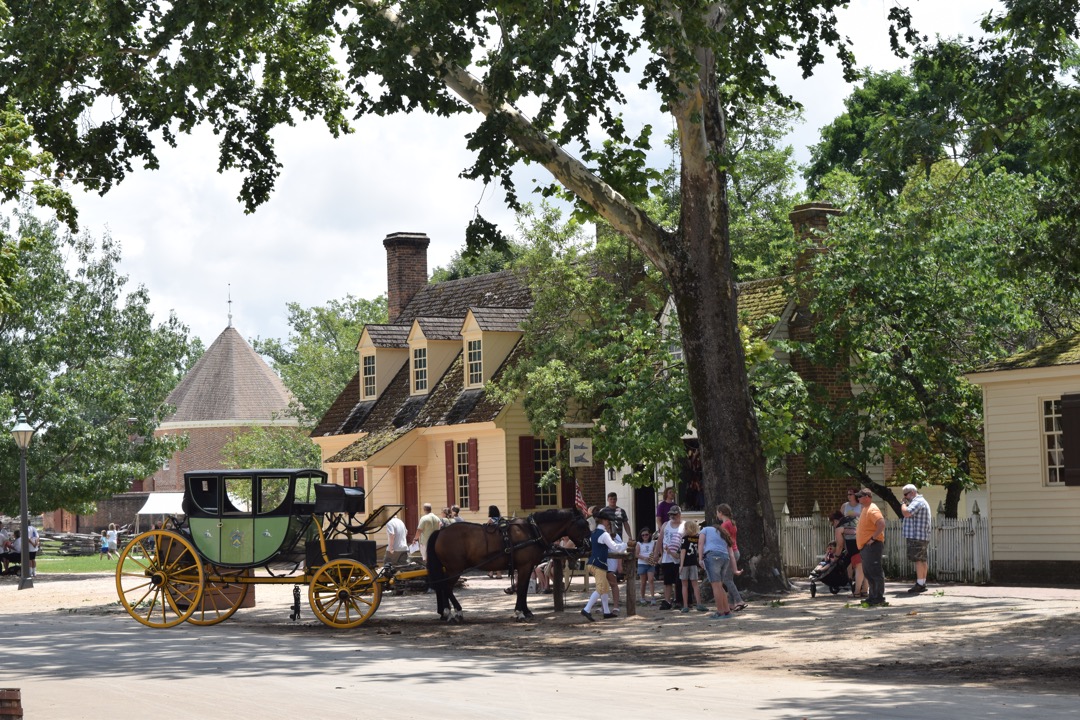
x=236 y=529
x=274 y=510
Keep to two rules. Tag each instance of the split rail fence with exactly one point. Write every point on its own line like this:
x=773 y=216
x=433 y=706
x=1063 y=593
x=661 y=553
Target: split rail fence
x=959 y=548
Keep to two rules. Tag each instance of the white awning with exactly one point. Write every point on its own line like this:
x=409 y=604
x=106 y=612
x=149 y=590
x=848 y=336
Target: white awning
x=163 y=503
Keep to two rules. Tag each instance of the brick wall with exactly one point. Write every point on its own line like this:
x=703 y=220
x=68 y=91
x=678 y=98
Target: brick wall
x=203 y=452
x=119 y=509
x=591 y=480
x=406 y=269
x=805 y=487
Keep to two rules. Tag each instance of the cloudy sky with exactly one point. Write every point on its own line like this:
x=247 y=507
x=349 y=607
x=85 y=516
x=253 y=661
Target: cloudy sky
x=185 y=236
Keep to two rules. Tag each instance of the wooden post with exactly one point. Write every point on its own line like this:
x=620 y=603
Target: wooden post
x=630 y=571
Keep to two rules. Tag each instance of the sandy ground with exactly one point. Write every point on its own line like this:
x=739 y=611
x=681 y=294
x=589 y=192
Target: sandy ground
x=1016 y=637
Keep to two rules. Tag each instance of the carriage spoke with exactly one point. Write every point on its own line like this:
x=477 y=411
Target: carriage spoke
x=344 y=593
x=162 y=587
x=220 y=599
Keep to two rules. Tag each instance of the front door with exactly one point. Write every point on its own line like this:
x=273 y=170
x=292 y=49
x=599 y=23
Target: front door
x=410 y=496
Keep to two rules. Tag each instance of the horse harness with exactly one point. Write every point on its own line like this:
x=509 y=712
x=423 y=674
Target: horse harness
x=509 y=547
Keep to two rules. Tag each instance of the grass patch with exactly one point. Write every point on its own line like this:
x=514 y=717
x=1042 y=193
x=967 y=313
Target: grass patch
x=74 y=564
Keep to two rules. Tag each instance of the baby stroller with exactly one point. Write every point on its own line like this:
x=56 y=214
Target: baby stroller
x=832 y=573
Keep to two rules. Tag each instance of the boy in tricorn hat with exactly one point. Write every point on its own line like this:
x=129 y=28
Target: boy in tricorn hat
x=601 y=544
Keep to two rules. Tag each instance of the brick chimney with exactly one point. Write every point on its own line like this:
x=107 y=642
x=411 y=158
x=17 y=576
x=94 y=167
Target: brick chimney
x=811 y=226
x=406 y=269
x=811 y=223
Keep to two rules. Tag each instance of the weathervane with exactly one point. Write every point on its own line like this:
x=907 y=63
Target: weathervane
x=230 y=304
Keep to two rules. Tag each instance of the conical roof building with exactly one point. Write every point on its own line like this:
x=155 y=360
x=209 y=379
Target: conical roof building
x=227 y=391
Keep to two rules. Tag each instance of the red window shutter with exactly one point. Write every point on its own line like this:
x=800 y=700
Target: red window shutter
x=1070 y=437
x=451 y=474
x=525 y=463
x=567 y=489
x=346 y=479
x=474 y=476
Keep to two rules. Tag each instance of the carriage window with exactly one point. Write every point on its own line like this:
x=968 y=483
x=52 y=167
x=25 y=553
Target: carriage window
x=305 y=488
x=238 y=494
x=272 y=493
x=204 y=491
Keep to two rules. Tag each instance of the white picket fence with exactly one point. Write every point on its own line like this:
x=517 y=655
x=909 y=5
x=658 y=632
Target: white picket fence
x=959 y=548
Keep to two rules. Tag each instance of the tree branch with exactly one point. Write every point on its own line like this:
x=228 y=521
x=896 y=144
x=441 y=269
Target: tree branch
x=623 y=215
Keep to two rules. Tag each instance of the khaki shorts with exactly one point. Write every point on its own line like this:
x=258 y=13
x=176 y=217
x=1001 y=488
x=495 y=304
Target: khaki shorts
x=600 y=576
x=917 y=550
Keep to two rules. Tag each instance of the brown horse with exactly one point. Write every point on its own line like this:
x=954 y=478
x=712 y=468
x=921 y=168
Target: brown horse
x=519 y=546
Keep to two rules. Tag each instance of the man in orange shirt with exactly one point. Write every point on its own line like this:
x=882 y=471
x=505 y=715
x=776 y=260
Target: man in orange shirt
x=870 y=537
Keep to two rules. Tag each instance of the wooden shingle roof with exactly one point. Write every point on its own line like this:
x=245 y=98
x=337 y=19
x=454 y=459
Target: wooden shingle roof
x=230 y=382
x=453 y=298
x=761 y=302
x=1065 y=351
x=440 y=328
x=388 y=336
x=491 y=319
x=440 y=310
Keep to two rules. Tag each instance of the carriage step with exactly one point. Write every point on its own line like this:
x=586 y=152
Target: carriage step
x=295 y=614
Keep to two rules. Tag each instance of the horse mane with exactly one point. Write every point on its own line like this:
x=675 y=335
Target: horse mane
x=555 y=514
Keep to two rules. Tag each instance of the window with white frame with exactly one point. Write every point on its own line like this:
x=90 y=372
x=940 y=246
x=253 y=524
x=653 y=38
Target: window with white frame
x=419 y=367
x=463 y=474
x=1051 y=430
x=475 y=362
x=368 y=375
x=543 y=461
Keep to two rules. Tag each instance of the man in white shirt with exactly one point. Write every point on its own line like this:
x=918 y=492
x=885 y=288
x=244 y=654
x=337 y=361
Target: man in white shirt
x=397 y=542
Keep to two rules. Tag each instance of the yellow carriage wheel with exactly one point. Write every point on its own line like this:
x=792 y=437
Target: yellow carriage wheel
x=220 y=599
x=159 y=578
x=343 y=593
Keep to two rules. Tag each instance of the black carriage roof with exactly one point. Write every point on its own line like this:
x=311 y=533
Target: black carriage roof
x=257 y=471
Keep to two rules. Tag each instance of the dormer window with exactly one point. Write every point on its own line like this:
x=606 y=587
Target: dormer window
x=474 y=362
x=419 y=369
x=368 y=376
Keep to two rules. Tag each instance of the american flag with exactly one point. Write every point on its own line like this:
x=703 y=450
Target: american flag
x=579 y=502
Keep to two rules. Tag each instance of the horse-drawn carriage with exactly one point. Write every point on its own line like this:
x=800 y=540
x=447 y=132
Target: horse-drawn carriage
x=261 y=527
x=252 y=527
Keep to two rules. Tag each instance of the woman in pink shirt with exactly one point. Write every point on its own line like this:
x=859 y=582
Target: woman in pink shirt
x=723 y=514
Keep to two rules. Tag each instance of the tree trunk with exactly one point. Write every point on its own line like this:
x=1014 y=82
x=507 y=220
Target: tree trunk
x=705 y=295
x=954 y=490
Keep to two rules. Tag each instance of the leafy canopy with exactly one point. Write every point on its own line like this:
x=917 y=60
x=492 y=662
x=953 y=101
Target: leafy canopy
x=908 y=298
x=601 y=345
x=271 y=447
x=319 y=357
x=82 y=357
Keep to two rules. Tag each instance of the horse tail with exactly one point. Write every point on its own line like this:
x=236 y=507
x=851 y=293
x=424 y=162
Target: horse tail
x=436 y=574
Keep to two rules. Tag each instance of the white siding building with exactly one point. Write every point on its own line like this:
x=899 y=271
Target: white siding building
x=1034 y=515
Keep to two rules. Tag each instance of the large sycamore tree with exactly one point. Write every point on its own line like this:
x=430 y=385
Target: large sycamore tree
x=102 y=81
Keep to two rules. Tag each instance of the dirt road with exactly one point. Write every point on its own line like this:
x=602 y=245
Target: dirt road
x=68 y=639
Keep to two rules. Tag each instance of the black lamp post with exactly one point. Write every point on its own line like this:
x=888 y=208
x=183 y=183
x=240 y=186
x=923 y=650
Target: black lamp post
x=22 y=434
